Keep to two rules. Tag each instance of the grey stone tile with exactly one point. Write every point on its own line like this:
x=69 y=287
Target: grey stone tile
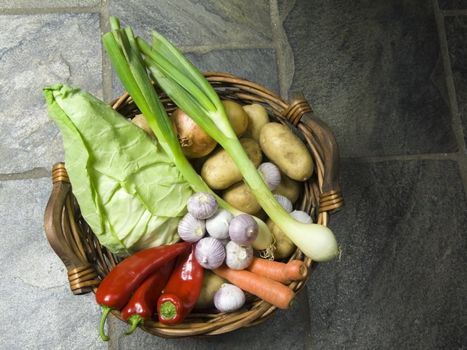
x=284 y=330
x=456 y=32
x=36 y=51
x=257 y=65
x=452 y=4
x=401 y=280
x=43 y=4
x=367 y=70
x=38 y=309
x=193 y=23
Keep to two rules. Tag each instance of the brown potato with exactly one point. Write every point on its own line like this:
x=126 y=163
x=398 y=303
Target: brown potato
x=257 y=118
x=288 y=188
x=286 y=150
x=284 y=246
x=140 y=121
x=240 y=196
x=219 y=170
x=237 y=116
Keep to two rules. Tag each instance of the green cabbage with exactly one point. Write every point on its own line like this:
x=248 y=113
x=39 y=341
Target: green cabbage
x=128 y=189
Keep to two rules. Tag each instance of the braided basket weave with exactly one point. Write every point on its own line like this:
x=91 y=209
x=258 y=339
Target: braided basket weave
x=88 y=262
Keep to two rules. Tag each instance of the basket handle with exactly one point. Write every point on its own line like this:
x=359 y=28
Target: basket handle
x=300 y=114
x=63 y=234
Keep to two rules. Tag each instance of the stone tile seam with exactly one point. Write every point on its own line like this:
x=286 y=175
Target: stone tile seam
x=448 y=13
x=106 y=65
x=48 y=10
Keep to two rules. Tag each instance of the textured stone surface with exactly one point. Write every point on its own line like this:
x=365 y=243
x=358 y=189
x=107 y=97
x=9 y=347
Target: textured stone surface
x=401 y=280
x=456 y=32
x=28 y=4
x=38 y=309
x=452 y=4
x=191 y=23
x=284 y=330
x=366 y=68
x=36 y=51
x=258 y=65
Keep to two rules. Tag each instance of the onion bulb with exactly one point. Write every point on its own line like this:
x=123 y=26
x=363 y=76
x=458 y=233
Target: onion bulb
x=243 y=229
x=210 y=253
x=194 y=141
x=229 y=298
x=238 y=257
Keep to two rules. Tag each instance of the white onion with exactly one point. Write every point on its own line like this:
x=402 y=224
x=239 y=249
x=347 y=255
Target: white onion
x=191 y=229
x=229 y=298
x=218 y=224
x=202 y=205
x=238 y=257
x=210 y=253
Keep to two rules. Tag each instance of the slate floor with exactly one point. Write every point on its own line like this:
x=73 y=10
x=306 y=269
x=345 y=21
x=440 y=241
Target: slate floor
x=390 y=79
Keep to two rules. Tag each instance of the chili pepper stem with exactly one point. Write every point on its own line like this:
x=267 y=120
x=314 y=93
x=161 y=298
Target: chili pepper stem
x=134 y=321
x=168 y=310
x=105 y=313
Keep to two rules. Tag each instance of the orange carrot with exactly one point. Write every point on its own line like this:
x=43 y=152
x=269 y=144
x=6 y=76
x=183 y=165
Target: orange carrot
x=294 y=270
x=271 y=291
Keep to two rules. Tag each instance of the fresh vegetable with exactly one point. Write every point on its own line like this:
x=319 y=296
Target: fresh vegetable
x=286 y=150
x=284 y=247
x=288 y=188
x=219 y=170
x=218 y=225
x=141 y=123
x=301 y=216
x=257 y=118
x=191 y=229
x=237 y=116
x=143 y=302
x=116 y=288
x=273 y=292
x=190 y=91
x=210 y=253
x=202 y=205
x=284 y=202
x=271 y=174
x=240 y=196
x=243 y=229
x=182 y=290
x=294 y=270
x=194 y=141
x=229 y=298
x=124 y=172
x=238 y=257
x=211 y=284
x=126 y=59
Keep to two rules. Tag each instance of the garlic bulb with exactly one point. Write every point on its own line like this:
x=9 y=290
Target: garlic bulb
x=238 y=257
x=271 y=174
x=218 y=224
x=284 y=202
x=301 y=216
x=229 y=298
x=191 y=229
x=202 y=205
x=243 y=229
x=210 y=253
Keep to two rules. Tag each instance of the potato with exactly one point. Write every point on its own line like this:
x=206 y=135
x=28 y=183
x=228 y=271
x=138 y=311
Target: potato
x=286 y=150
x=288 y=188
x=140 y=121
x=237 y=116
x=257 y=118
x=240 y=196
x=219 y=170
x=284 y=246
x=211 y=284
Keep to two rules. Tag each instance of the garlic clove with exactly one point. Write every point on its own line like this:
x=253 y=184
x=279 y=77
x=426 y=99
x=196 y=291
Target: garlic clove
x=284 y=202
x=271 y=174
x=191 y=229
x=229 y=298
x=238 y=257
x=202 y=205
x=210 y=253
x=243 y=229
x=218 y=224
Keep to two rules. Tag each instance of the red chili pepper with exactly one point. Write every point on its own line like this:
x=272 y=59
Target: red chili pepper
x=143 y=302
x=116 y=288
x=182 y=290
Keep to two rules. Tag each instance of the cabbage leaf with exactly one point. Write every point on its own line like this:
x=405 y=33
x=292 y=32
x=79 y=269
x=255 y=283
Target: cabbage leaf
x=128 y=189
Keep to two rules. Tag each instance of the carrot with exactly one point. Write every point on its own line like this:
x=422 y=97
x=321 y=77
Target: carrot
x=271 y=291
x=294 y=270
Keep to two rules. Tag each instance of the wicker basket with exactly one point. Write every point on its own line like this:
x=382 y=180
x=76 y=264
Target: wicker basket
x=88 y=262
